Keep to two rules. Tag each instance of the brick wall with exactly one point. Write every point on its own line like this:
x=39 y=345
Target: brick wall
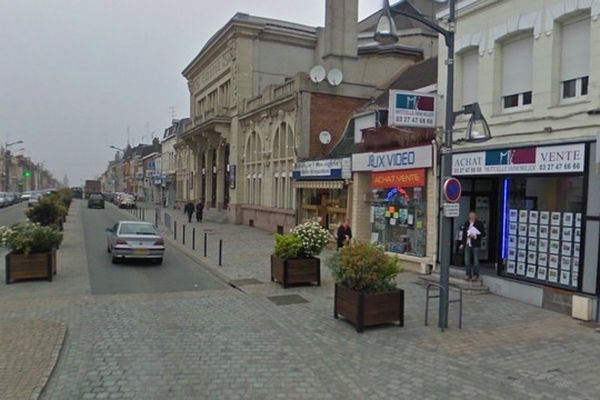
x=329 y=113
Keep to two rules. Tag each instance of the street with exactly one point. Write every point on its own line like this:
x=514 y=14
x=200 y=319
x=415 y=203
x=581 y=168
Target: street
x=177 y=272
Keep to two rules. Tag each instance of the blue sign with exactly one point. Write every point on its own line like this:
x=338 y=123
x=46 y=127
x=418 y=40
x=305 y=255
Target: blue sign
x=452 y=190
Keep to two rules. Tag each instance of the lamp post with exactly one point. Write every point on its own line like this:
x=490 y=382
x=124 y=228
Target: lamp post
x=477 y=129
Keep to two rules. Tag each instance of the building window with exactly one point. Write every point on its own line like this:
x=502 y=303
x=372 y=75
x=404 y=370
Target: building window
x=254 y=169
x=470 y=66
x=575 y=59
x=283 y=163
x=517 y=73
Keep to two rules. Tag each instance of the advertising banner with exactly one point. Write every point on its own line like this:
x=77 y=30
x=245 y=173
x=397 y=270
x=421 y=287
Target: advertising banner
x=401 y=178
x=411 y=109
x=410 y=158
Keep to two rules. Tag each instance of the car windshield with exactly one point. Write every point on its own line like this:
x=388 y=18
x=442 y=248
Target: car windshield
x=95 y=197
x=137 y=229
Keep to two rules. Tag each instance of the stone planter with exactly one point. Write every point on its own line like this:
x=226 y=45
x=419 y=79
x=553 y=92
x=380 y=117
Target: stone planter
x=296 y=271
x=368 y=309
x=30 y=266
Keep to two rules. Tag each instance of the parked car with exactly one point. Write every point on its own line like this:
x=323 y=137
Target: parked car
x=11 y=198
x=33 y=200
x=26 y=196
x=95 y=200
x=134 y=239
x=3 y=200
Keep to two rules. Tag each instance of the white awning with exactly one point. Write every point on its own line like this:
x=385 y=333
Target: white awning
x=319 y=184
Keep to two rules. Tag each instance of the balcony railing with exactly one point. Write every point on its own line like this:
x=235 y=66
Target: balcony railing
x=272 y=93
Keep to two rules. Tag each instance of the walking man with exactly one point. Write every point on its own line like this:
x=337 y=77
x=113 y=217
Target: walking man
x=472 y=232
x=344 y=234
x=189 y=210
x=199 y=210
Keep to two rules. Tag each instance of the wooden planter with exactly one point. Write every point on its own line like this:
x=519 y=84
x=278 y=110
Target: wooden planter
x=296 y=271
x=368 y=309
x=30 y=266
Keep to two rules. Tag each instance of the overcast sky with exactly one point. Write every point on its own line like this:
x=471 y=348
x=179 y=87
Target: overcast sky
x=75 y=75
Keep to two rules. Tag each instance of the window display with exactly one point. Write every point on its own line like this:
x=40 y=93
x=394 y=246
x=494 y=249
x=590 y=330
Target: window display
x=328 y=206
x=543 y=244
x=398 y=218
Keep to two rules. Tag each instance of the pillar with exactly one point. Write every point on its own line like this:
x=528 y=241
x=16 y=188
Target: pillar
x=220 y=176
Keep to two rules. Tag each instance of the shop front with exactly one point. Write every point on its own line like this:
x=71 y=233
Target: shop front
x=535 y=202
x=322 y=191
x=399 y=200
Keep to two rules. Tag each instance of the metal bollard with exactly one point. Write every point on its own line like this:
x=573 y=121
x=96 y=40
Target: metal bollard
x=205 y=239
x=193 y=238
x=220 y=252
x=144 y=214
x=156 y=218
x=183 y=234
x=175 y=230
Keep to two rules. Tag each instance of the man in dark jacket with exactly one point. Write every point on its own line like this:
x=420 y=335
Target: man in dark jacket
x=344 y=234
x=472 y=232
x=189 y=210
x=199 y=210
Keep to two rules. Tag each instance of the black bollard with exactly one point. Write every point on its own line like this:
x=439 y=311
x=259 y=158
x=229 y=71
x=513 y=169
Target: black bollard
x=193 y=238
x=175 y=230
x=205 y=239
x=155 y=219
x=220 y=252
x=183 y=234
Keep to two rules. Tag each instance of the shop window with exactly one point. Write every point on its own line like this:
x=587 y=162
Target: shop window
x=328 y=206
x=398 y=213
x=543 y=230
x=283 y=157
x=254 y=169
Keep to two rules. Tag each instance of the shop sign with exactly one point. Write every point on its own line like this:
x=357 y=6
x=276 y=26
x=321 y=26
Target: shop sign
x=411 y=109
x=530 y=160
x=411 y=158
x=336 y=168
x=401 y=178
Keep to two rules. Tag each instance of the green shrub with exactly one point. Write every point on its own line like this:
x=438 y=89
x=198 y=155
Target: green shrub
x=66 y=196
x=27 y=237
x=365 y=268
x=47 y=211
x=288 y=246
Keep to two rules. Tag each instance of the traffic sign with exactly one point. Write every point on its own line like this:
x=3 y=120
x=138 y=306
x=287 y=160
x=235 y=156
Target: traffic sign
x=452 y=190
x=451 y=210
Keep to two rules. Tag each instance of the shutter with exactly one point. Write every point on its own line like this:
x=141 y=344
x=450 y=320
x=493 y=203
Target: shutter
x=470 y=64
x=575 y=50
x=517 y=66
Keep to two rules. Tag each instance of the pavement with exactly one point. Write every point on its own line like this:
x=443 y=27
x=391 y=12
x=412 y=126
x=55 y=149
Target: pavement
x=236 y=343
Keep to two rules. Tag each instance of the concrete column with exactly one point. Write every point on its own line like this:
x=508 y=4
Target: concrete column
x=220 y=176
x=361 y=206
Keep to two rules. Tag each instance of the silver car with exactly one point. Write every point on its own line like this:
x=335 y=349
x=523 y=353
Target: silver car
x=135 y=239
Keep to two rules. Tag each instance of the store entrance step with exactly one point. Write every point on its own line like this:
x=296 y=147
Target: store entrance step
x=467 y=287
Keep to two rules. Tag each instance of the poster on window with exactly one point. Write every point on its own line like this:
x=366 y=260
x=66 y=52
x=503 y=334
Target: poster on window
x=555 y=233
x=513 y=215
x=512 y=228
x=565 y=263
x=555 y=219
x=543 y=245
x=554 y=247
x=575 y=266
x=567 y=234
x=531 y=257
x=523 y=229
x=533 y=230
x=544 y=217
x=521 y=255
x=577 y=235
x=576 y=250
x=543 y=231
x=553 y=261
x=533 y=217
x=574 y=279
x=521 y=268
x=532 y=244
x=512 y=254
x=511 y=267
x=512 y=241
x=523 y=216
x=522 y=242
x=542 y=273
x=566 y=249
x=543 y=259
x=578 y=220
x=565 y=278
x=553 y=275
x=531 y=271
x=568 y=219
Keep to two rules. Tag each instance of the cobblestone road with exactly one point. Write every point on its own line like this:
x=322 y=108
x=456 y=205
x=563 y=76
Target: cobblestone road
x=237 y=344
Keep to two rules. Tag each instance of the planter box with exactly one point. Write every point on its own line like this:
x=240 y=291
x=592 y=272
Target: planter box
x=30 y=266
x=296 y=271
x=368 y=309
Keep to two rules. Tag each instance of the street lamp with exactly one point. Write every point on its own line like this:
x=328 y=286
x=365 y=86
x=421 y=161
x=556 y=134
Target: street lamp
x=116 y=148
x=477 y=129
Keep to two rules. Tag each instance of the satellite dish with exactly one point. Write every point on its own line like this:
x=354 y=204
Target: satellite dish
x=334 y=77
x=317 y=74
x=325 y=137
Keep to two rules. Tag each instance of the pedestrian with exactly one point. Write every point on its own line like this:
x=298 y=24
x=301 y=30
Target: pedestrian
x=199 y=210
x=344 y=234
x=189 y=210
x=472 y=232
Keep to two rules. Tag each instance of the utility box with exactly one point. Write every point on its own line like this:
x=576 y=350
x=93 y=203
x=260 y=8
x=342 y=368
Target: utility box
x=582 y=308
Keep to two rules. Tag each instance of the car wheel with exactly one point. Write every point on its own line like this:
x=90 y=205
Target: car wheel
x=159 y=261
x=114 y=260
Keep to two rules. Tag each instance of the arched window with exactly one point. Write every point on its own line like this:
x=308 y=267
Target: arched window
x=254 y=169
x=283 y=162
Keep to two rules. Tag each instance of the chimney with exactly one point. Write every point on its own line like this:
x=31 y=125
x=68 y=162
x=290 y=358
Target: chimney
x=341 y=28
